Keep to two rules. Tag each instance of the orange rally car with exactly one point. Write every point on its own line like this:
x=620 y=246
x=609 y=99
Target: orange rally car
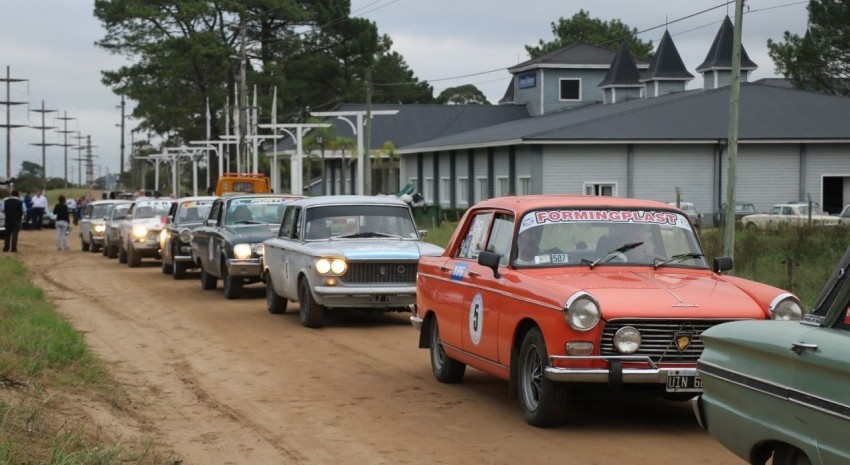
x=552 y=291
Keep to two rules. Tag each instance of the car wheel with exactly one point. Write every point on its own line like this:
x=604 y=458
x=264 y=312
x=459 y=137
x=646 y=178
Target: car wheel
x=92 y=246
x=85 y=245
x=542 y=400
x=789 y=455
x=178 y=270
x=122 y=253
x=133 y=257
x=274 y=303
x=445 y=368
x=232 y=286
x=752 y=227
x=208 y=281
x=167 y=268
x=103 y=250
x=111 y=250
x=310 y=312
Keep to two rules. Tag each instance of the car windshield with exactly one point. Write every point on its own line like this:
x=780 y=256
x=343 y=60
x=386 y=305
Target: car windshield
x=151 y=209
x=255 y=210
x=120 y=211
x=193 y=211
x=745 y=208
x=569 y=237
x=350 y=221
x=102 y=210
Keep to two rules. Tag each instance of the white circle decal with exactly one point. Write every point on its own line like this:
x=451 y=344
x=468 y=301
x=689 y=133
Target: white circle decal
x=476 y=318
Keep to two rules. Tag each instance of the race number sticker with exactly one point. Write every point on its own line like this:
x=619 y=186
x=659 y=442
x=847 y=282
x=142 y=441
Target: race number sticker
x=476 y=319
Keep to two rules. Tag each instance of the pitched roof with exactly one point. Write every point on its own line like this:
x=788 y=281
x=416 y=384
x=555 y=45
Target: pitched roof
x=720 y=54
x=767 y=112
x=623 y=71
x=667 y=64
x=577 y=54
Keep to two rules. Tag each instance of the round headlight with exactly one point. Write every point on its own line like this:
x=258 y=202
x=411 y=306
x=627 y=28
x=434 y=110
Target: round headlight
x=627 y=340
x=242 y=251
x=186 y=236
x=338 y=266
x=323 y=266
x=786 y=307
x=100 y=228
x=582 y=312
x=140 y=231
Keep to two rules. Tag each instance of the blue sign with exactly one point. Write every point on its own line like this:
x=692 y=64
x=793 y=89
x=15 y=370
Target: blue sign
x=527 y=80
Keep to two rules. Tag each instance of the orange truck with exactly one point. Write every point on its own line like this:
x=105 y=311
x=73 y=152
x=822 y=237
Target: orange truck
x=245 y=183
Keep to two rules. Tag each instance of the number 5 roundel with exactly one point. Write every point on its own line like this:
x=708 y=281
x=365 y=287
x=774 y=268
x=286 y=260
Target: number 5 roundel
x=476 y=319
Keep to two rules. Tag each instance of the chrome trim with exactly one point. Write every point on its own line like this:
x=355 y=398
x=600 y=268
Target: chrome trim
x=342 y=290
x=416 y=322
x=182 y=258
x=780 y=298
x=247 y=267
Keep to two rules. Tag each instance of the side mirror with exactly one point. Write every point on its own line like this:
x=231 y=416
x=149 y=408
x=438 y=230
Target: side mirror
x=722 y=264
x=423 y=233
x=490 y=260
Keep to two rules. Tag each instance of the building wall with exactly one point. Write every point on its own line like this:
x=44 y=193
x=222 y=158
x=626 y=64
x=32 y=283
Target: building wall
x=590 y=92
x=767 y=174
x=825 y=160
x=659 y=169
x=566 y=168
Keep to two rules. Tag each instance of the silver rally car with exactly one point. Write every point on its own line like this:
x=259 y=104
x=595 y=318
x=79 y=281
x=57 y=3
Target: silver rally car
x=344 y=252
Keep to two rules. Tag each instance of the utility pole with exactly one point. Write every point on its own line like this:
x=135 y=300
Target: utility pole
x=89 y=162
x=79 y=148
x=65 y=133
x=367 y=175
x=243 y=89
x=9 y=126
x=43 y=143
x=121 y=165
x=732 y=146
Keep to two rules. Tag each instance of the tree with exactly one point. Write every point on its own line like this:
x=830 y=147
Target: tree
x=462 y=95
x=820 y=60
x=593 y=31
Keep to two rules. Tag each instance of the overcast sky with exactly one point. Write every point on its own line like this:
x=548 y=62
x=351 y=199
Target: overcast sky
x=51 y=44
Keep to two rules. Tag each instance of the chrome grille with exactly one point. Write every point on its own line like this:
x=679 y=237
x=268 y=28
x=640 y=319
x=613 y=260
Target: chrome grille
x=658 y=338
x=381 y=272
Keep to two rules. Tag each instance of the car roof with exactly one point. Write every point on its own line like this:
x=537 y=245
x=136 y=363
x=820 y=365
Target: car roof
x=349 y=200
x=108 y=201
x=196 y=198
x=525 y=203
x=231 y=196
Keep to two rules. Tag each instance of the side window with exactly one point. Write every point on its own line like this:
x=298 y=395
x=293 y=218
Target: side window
x=288 y=221
x=215 y=211
x=476 y=234
x=296 y=230
x=500 y=237
x=787 y=211
x=172 y=212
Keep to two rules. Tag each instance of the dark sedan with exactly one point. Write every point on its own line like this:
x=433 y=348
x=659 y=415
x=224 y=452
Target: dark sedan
x=186 y=215
x=742 y=209
x=230 y=243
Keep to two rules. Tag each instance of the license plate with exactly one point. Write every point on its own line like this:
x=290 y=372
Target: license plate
x=382 y=299
x=690 y=382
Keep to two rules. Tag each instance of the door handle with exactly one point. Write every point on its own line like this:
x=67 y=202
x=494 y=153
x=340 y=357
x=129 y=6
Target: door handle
x=799 y=347
x=473 y=274
x=444 y=268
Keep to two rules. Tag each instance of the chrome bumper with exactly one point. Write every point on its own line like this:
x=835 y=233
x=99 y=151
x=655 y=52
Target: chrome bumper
x=183 y=258
x=396 y=297
x=251 y=267
x=650 y=375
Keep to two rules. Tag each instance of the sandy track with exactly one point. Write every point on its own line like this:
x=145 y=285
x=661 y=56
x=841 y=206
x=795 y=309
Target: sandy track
x=225 y=382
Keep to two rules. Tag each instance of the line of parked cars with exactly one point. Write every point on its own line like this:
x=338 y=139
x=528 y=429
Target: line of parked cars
x=551 y=293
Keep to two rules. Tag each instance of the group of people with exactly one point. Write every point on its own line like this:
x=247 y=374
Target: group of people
x=28 y=213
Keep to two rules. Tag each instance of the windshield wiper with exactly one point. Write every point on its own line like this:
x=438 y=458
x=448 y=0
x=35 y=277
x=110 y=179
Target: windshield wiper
x=623 y=248
x=366 y=234
x=656 y=262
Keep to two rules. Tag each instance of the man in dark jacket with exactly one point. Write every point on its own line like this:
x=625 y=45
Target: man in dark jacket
x=13 y=207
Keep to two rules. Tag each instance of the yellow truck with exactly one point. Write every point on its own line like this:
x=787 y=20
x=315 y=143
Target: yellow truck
x=245 y=183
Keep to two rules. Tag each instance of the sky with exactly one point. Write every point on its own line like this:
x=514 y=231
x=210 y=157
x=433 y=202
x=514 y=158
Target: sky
x=50 y=43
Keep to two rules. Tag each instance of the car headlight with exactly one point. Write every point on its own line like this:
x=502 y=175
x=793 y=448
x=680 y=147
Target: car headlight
x=257 y=249
x=242 y=251
x=331 y=266
x=99 y=228
x=786 y=307
x=186 y=236
x=582 y=312
x=627 y=340
x=140 y=231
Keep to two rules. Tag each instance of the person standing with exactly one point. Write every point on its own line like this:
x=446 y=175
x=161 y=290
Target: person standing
x=63 y=221
x=72 y=209
x=13 y=207
x=27 y=224
x=39 y=206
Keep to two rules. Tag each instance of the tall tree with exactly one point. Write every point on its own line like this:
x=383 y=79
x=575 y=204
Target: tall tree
x=462 y=95
x=593 y=31
x=820 y=60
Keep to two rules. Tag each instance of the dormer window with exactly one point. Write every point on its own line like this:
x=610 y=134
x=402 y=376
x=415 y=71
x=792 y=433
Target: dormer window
x=569 y=89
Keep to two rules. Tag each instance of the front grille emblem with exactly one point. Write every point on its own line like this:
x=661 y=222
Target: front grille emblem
x=683 y=340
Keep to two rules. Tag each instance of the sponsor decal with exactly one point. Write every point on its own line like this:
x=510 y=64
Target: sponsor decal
x=459 y=271
x=476 y=319
x=602 y=216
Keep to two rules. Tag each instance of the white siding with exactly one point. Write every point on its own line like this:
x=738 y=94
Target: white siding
x=566 y=168
x=659 y=169
x=825 y=160
x=767 y=174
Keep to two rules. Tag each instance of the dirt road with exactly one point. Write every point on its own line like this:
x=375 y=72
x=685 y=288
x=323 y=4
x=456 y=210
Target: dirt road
x=225 y=382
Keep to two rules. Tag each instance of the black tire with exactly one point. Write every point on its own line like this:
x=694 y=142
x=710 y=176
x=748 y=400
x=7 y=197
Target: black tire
x=133 y=258
x=232 y=286
x=103 y=249
x=752 y=227
x=178 y=270
x=310 y=312
x=445 y=368
x=542 y=400
x=167 y=268
x=93 y=248
x=85 y=245
x=275 y=304
x=789 y=455
x=111 y=250
x=208 y=281
x=122 y=253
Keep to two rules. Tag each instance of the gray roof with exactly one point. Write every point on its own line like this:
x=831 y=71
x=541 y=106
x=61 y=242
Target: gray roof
x=623 y=71
x=577 y=53
x=766 y=113
x=720 y=54
x=667 y=64
x=348 y=200
x=421 y=122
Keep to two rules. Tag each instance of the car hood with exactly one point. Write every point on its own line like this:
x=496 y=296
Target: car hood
x=376 y=249
x=662 y=293
x=150 y=223
x=253 y=233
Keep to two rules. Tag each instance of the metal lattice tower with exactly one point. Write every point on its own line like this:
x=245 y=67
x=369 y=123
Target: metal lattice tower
x=43 y=143
x=9 y=126
x=65 y=145
x=79 y=148
x=89 y=162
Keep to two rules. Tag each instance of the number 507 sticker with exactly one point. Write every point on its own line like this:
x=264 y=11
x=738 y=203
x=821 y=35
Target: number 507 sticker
x=476 y=319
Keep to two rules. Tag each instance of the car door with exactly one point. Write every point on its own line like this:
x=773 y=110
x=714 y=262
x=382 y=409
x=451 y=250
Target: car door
x=278 y=255
x=201 y=237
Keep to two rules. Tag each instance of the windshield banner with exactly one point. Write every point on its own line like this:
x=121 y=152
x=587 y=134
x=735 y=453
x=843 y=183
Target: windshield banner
x=603 y=216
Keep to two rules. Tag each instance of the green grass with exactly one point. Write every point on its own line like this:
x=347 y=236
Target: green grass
x=43 y=363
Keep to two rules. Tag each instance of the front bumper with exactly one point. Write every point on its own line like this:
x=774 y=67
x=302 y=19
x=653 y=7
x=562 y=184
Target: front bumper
x=615 y=372
x=249 y=268
x=365 y=297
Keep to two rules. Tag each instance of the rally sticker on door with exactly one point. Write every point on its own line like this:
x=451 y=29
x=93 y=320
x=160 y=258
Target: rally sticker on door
x=476 y=319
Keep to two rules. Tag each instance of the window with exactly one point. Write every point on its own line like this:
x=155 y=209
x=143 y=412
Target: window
x=429 y=190
x=504 y=186
x=475 y=236
x=288 y=222
x=462 y=191
x=445 y=190
x=501 y=237
x=607 y=189
x=524 y=185
x=570 y=89
x=481 y=193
